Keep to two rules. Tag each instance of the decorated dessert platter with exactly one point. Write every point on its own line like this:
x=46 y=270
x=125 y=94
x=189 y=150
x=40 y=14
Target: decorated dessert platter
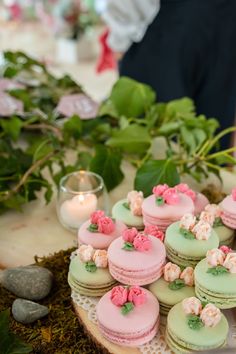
x=159 y=275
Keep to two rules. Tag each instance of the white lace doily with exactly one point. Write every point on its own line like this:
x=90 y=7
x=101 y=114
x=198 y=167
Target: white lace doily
x=88 y=303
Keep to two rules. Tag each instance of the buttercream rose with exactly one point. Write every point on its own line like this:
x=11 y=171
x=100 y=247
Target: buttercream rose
x=207 y=217
x=192 y=306
x=85 y=253
x=100 y=258
x=136 y=207
x=226 y=249
x=191 y=194
x=188 y=276
x=171 y=272
x=182 y=187
x=215 y=257
x=213 y=209
x=234 y=194
x=105 y=225
x=230 y=262
x=142 y=243
x=119 y=295
x=159 y=189
x=133 y=195
x=129 y=234
x=154 y=231
x=171 y=196
x=210 y=315
x=137 y=295
x=187 y=222
x=202 y=230
x=96 y=215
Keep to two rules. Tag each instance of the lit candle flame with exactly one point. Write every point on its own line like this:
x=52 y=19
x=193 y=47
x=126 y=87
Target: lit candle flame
x=81 y=198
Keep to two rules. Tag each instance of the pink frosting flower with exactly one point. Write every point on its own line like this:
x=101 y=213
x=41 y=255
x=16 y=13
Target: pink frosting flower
x=234 y=194
x=210 y=315
x=136 y=207
x=159 y=189
x=171 y=272
x=226 y=249
x=133 y=195
x=85 y=253
x=129 y=234
x=96 y=215
x=171 y=196
x=191 y=194
x=213 y=209
x=106 y=225
x=230 y=262
x=187 y=221
x=182 y=187
x=192 y=306
x=202 y=230
x=154 y=231
x=188 y=276
x=100 y=258
x=137 y=295
x=215 y=257
x=119 y=295
x=142 y=243
x=207 y=217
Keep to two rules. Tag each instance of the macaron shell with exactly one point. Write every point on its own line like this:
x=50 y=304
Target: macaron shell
x=97 y=239
x=229 y=205
x=167 y=211
x=119 y=212
x=200 y=203
x=228 y=220
x=225 y=234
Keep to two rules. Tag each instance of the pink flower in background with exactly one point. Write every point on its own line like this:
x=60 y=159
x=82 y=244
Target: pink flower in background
x=85 y=253
x=119 y=295
x=79 y=104
x=171 y=196
x=142 y=243
x=171 y=272
x=192 y=306
x=187 y=221
x=234 y=194
x=96 y=215
x=215 y=257
x=226 y=249
x=10 y=105
x=106 y=225
x=154 y=231
x=137 y=295
x=202 y=230
x=159 y=189
x=129 y=234
x=100 y=258
x=210 y=315
x=190 y=193
x=182 y=187
x=213 y=209
x=9 y=84
x=230 y=262
x=188 y=276
x=207 y=217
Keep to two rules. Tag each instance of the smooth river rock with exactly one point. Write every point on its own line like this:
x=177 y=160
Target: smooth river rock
x=26 y=311
x=30 y=282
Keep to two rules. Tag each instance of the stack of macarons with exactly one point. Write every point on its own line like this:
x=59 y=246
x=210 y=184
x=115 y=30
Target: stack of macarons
x=128 y=316
x=215 y=278
x=174 y=286
x=193 y=327
x=136 y=258
x=228 y=206
x=100 y=230
x=88 y=272
x=165 y=206
x=129 y=210
x=188 y=240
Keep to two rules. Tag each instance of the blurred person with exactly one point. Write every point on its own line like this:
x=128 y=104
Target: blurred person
x=180 y=48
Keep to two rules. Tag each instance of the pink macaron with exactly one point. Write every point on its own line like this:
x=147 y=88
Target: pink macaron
x=136 y=267
x=228 y=206
x=200 y=203
x=128 y=320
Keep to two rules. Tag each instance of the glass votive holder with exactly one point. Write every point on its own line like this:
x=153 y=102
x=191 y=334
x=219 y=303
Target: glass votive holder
x=80 y=193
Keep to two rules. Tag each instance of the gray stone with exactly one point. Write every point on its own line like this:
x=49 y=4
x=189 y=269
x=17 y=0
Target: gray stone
x=30 y=282
x=26 y=311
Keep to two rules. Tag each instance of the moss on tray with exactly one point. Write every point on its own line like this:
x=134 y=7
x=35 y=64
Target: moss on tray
x=60 y=331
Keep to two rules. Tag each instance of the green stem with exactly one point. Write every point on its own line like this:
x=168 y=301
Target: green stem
x=219 y=153
x=218 y=137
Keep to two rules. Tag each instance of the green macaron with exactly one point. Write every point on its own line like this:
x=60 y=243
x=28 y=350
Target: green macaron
x=225 y=234
x=121 y=211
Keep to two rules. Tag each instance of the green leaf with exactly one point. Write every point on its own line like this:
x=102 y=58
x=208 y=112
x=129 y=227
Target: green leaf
x=128 y=246
x=126 y=205
x=42 y=150
x=160 y=201
x=188 y=139
x=106 y=163
x=126 y=308
x=154 y=172
x=12 y=127
x=194 y=322
x=131 y=98
x=93 y=228
x=84 y=159
x=218 y=270
x=90 y=267
x=133 y=139
x=187 y=234
x=177 y=284
x=169 y=128
x=72 y=128
x=183 y=107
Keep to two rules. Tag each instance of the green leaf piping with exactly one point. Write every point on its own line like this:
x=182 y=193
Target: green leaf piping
x=218 y=222
x=126 y=205
x=128 y=246
x=177 y=284
x=160 y=201
x=187 y=234
x=218 y=270
x=194 y=322
x=93 y=228
x=90 y=267
x=127 y=307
